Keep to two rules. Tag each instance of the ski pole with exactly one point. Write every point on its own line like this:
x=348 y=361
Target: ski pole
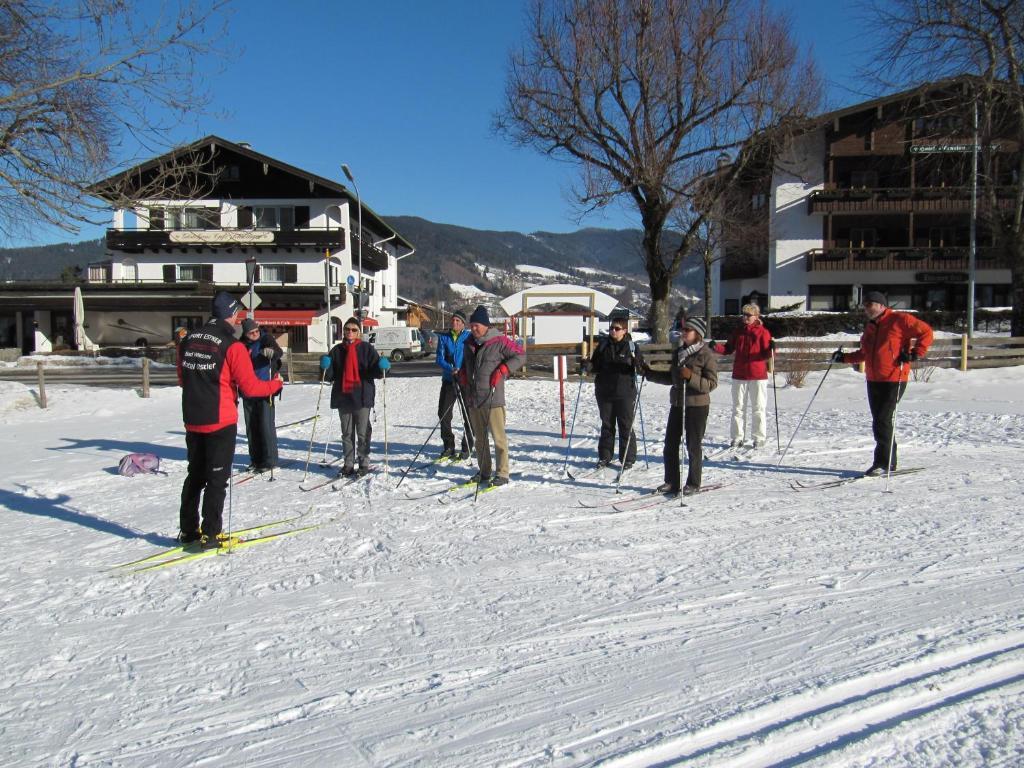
x=831 y=362
x=316 y=418
x=630 y=439
x=572 y=425
x=487 y=406
x=385 y=385
x=466 y=423
x=418 y=452
x=775 y=393
x=684 y=457
x=892 y=424
x=643 y=431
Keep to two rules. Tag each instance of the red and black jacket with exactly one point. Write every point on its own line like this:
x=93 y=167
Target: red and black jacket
x=212 y=366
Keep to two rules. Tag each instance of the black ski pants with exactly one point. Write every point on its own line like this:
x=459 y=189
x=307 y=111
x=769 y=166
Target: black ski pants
x=260 y=431
x=883 y=396
x=616 y=415
x=210 y=455
x=696 y=424
x=447 y=403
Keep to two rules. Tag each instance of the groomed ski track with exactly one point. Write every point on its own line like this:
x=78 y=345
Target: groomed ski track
x=757 y=627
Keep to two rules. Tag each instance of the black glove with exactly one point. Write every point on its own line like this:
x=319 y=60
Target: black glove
x=838 y=356
x=586 y=366
x=906 y=357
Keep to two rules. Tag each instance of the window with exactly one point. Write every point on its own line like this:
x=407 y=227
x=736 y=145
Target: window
x=863 y=179
x=265 y=218
x=862 y=237
x=187 y=273
x=278 y=273
x=188 y=322
x=941 y=237
x=758 y=201
x=192 y=218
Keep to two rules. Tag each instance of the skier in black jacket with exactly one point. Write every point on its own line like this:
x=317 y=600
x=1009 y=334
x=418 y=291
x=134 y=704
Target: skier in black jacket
x=615 y=363
x=260 y=429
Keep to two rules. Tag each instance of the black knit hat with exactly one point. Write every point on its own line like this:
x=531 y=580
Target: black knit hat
x=877 y=297
x=249 y=325
x=459 y=314
x=480 y=315
x=224 y=305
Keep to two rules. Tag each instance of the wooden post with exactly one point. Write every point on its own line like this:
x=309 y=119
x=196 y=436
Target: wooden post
x=41 y=382
x=145 y=376
x=963 y=351
x=288 y=364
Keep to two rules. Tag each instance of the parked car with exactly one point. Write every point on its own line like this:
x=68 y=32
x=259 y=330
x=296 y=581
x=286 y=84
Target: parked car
x=397 y=342
x=429 y=341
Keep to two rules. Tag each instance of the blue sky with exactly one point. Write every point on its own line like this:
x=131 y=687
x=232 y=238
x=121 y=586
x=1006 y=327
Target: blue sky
x=404 y=92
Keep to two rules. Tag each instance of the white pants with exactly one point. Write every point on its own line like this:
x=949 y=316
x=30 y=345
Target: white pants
x=756 y=391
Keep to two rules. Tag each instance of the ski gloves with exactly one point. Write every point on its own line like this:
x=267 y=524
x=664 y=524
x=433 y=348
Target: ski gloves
x=906 y=357
x=498 y=374
x=838 y=356
x=384 y=364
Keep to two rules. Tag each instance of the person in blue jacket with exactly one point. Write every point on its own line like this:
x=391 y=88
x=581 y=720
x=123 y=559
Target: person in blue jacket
x=352 y=365
x=260 y=427
x=449 y=358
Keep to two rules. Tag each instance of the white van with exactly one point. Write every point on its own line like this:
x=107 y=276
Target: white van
x=396 y=341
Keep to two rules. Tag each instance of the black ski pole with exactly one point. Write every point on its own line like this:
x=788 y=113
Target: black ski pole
x=572 y=424
x=831 y=362
x=418 y=452
x=892 y=439
x=630 y=439
x=775 y=393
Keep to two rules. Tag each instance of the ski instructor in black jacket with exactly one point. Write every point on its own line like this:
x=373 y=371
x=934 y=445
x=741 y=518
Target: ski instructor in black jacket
x=212 y=366
x=615 y=363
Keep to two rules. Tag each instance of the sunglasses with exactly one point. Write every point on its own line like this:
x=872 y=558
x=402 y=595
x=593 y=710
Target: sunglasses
x=617 y=328
x=351 y=330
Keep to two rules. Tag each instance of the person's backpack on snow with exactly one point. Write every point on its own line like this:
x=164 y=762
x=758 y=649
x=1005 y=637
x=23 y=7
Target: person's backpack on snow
x=139 y=464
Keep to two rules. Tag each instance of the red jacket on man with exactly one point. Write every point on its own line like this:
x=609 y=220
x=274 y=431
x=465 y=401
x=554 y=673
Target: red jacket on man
x=752 y=347
x=212 y=367
x=883 y=340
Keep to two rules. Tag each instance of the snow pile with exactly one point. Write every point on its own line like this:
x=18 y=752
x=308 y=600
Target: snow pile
x=757 y=626
x=468 y=292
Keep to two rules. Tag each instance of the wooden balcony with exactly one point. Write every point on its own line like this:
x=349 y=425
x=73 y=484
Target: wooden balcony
x=903 y=200
x=139 y=240
x=831 y=259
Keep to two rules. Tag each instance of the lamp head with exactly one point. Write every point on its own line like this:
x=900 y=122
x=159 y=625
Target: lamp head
x=347 y=172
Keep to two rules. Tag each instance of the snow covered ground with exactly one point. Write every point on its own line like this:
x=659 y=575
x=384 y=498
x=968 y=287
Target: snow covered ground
x=756 y=627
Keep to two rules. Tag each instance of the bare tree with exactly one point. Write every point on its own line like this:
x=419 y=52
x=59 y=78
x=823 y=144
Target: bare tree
x=644 y=95
x=929 y=40
x=78 y=78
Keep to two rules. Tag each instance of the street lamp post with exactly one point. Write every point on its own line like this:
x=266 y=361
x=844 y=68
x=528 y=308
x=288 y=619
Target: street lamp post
x=359 y=204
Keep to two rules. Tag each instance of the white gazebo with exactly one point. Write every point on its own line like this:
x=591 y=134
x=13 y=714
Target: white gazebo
x=558 y=328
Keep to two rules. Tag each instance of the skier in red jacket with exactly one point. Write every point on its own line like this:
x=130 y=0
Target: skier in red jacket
x=751 y=345
x=212 y=366
x=890 y=343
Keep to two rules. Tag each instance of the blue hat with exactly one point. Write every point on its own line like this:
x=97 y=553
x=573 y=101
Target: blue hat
x=480 y=315
x=225 y=305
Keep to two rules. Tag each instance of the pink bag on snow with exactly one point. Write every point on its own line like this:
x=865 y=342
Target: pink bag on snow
x=139 y=463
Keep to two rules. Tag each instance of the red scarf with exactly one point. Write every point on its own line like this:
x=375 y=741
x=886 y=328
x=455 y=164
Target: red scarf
x=350 y=376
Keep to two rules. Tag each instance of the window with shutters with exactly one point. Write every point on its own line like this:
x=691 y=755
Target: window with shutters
x=278 y=273
x=193 y=273
x=265 y=218
x=194 y=217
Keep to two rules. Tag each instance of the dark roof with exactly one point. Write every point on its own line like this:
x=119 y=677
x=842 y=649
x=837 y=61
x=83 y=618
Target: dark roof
x=892 y=98
x=327 y=187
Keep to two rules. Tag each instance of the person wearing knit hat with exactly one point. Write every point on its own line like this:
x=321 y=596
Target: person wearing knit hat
x=213 y=366
x=693 y=376
x=259 y=412
x=751 y=347
x=489 y=357
x=480 y=316
x=449 y=359
x=891 y=342
x=225 y=306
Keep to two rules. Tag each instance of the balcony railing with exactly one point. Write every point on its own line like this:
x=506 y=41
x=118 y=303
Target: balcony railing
x=137 y=240
x=903 y=199
x=894 y=259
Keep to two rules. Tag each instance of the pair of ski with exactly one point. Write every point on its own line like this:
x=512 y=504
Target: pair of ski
x=599 y=471
x=245 y=475
x=641 y=500
x=337 y=482
x=446 y=493
x=240 y=539
x=797 y=485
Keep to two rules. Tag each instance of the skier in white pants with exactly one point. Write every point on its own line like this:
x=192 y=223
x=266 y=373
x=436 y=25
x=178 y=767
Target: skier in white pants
x=751 y=345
